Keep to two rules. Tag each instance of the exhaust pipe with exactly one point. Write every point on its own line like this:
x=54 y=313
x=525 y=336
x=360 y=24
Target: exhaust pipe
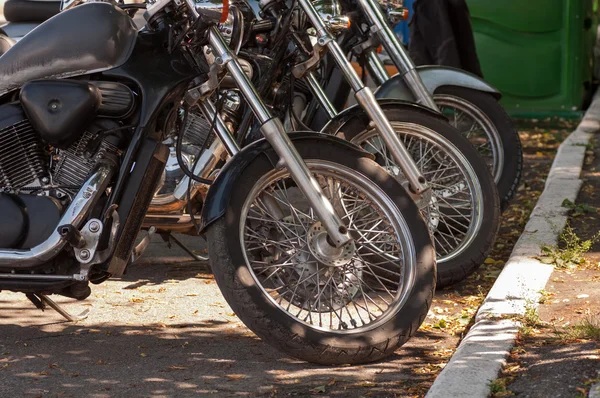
x=75 y=214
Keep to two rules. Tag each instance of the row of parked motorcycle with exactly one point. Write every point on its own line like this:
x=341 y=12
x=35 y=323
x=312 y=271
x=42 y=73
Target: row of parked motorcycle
x=329 y=226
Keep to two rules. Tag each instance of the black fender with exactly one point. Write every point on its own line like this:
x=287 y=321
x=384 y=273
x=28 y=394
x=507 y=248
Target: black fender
x=221 y=190
x=335 y=125
x=434 y=77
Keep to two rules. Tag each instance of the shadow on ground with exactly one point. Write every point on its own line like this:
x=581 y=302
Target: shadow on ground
x=165 y=330
x=176 y=360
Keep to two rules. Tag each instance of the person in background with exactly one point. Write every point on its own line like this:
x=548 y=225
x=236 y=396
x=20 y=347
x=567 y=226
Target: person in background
x=441 y=34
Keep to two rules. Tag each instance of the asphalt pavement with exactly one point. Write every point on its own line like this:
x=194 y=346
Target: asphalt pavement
x=164 y=330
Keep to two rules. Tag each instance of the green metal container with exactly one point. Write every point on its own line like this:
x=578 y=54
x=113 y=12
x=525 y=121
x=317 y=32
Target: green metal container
x=538 y=53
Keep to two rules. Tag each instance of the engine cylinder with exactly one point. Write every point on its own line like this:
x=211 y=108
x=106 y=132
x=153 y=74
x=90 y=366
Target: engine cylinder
x=21 y=151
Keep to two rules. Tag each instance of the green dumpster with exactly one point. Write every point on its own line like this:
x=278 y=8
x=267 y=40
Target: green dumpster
x=538 y=53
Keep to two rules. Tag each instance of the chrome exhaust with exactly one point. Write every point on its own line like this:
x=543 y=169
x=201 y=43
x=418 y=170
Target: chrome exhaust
x=75 y=215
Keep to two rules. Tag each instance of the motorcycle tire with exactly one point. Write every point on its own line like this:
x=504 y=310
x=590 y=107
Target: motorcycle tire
x=455 y=260
x=490 y=116
x=349 y=342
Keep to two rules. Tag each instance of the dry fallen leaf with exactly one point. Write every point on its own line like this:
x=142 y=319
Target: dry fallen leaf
x=319 y=389
x=236 y=377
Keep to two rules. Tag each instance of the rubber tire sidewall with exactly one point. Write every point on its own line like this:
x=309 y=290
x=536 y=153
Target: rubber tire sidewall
x=270 y=323
x=473 y=256
x=509 y=136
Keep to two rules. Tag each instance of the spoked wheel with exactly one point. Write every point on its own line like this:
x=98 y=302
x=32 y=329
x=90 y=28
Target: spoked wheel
x=483 y=121
x=461 y=209
x=354 y=304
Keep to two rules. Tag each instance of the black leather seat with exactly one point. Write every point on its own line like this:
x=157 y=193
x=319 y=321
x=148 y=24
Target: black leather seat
x=65 y=46
x=30 y=11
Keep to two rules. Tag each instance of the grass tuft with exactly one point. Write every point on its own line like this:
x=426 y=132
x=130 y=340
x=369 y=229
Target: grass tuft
x=569 y=251
x=588 y=329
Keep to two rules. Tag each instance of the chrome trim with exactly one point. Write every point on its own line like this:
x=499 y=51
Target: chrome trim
x=210 y=113
x=204 y=167
x=376 y=67
x=66 y=4
x=34 y=276
x=415 y=84
x=211 y=10
x=318 y=92
x=224 y=56
x=276 y=135
x=397 y=53
x=74 y=215
x=368 y=102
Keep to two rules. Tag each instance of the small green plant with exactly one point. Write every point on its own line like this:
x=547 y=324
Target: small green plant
x=530 y=316
x=544 y=296
x=498 y=387
x=589 y=146
x=578 y=209
x=588 y=329
x=569 y=251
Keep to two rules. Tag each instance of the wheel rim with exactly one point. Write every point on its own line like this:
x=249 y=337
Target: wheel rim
x=356 y=297
x=453 y=210
x=477 y=127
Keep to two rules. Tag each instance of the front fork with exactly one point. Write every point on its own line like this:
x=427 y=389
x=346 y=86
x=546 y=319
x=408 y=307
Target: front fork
x=368 y=102
x=276 y=135
x=396 y=52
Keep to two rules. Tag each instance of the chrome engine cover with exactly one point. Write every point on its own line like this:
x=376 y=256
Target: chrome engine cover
x=196 y=134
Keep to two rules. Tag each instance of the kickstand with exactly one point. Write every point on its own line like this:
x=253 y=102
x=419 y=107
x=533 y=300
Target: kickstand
x=41 y=300
x=187 y=249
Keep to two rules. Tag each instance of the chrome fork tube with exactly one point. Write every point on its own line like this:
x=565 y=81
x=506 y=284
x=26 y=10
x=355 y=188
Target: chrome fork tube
x=210 y=113
x=368 y=102
x=376 y=67
x=318 y=92
x=397 y=53
x=275 y=134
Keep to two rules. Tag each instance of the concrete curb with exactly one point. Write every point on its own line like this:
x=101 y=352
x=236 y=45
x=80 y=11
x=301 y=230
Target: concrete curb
x=482 y=353
x=594 y=391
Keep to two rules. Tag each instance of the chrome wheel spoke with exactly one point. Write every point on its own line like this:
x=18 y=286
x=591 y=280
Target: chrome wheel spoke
x=452 y=208
x=358 y=294
x=475 y=125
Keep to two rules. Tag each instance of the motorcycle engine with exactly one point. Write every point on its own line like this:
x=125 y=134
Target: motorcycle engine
x=28 y=166
x=39 y=180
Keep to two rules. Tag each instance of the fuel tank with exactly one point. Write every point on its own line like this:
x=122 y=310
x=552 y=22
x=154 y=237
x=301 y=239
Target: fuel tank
x=90 y=38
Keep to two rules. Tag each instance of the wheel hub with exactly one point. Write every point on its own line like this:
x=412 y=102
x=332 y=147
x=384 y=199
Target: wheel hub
x=426 y=202
x=324 y=252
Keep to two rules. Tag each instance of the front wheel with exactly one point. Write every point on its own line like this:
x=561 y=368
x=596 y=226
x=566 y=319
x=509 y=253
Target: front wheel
x=462 y=207
x=483 y=121
x=356 y=308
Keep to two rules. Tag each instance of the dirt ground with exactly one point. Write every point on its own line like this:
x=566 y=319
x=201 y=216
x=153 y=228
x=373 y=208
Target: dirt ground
x=165 y=330
x=558 y=350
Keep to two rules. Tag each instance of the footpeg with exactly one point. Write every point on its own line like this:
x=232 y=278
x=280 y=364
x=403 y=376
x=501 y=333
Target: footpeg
x=142 y=246
x=72 y=235
x=41 y=301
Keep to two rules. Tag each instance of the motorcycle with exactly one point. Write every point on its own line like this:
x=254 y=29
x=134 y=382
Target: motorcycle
x=461 y=209
x=318 y=250
x=470 y=104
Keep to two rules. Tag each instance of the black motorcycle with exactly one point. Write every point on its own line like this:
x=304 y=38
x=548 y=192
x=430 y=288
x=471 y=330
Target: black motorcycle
x=313 y=244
